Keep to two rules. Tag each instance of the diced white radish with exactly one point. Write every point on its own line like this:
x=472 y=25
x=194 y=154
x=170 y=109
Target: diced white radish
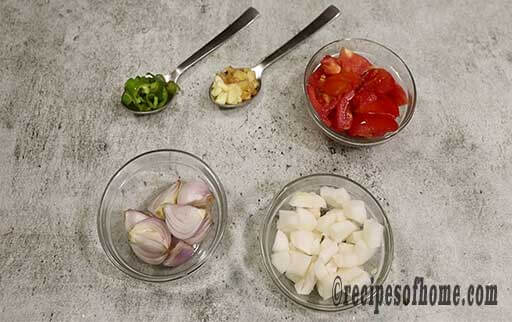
x=350 y=260
x=340 y=215
x=372 y=233
x=303 y=240
x=336 y=198
x=355 y=237
x=324 y=290
x=323 y=223
x=288 y=221
x=363 y=279
x=280 y=242
x=324 y=286
x=281 y=261
x=356 y=211
x=338 y=259
x=306 y=220
x=307 y=200
x=345 y=248
x=299 y=263
x=293 y=277
x=306 y=284
x=363 y=252
x=327 y=242
x=316 y=244
x=320 y=270
x=328 y=249
x=331 y=267
x=348 y=274
x=341 y=230
x=315 y=211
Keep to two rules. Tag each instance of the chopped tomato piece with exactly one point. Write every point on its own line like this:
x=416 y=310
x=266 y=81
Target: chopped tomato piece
x=330 y=65
x=335 y=86
x=342 y=116
x=378 y=80
x=316 y=78
x=314 y=99
x=372 y=125
x=350 y=77
x=352 y=62
x=397 y=94
x=326 y=98
x=364 y=97
x=383 y=105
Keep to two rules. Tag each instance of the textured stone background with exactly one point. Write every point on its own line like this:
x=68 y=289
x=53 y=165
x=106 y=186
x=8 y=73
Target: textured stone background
x=445 y=181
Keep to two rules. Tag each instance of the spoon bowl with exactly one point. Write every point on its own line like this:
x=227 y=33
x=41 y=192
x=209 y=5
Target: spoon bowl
x=324 y=18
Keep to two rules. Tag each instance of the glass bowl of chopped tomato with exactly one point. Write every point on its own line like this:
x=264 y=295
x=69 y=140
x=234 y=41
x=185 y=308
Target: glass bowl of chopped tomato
x=359 y=92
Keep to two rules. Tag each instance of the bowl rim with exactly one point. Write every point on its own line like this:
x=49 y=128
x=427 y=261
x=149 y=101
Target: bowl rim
x=284 y=290
x=356 y=142
x=101 y=230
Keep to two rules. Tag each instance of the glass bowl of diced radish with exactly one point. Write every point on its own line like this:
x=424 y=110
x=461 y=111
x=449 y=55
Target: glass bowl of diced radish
x=322 y=229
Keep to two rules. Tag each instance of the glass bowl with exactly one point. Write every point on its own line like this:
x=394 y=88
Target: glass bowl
x=378 y=266
x=380 y=56
x=134 y=185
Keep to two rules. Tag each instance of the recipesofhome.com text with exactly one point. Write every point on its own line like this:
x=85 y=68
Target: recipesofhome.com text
x=417 y=294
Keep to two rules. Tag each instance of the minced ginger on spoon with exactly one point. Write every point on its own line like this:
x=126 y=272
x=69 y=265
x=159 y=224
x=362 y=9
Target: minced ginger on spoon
x=234 y=85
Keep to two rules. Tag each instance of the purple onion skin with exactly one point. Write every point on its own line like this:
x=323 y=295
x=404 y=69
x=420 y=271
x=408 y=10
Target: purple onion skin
x=181 y=253
x=149 y=250
x=201 y=232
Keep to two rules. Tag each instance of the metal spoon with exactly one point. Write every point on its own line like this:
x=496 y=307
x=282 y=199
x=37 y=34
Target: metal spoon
x=244 y=20
x=324 y=18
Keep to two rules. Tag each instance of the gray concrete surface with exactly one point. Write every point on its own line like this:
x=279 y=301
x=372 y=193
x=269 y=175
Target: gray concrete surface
x=445 y=181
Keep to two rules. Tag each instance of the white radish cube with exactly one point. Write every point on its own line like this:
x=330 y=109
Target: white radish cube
x=306 y=284
x=303 y=241
x=307 y=200
x=299 y=263
x=331 y=267
x=315 y=211
x=280 y=242
x=336 y=198
x=356 y=211
x=355 y=237
x=281 y=261
x=345 y=248
x=316 y=244
x=324 y=286
x=288 y=221
x=327 y=242
x=320 y=270
x=373 y=233
x=341 y=230
x=323 y=223
x=338 y=259
x=293 y=277
x=348 y=274
x=363 y=252
x=328 y=251
x=306 y=220
x=340 y=215
x=350 y=260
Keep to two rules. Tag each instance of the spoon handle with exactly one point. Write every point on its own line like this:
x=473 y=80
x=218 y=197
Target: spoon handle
x=244 y=20
x=324 y=18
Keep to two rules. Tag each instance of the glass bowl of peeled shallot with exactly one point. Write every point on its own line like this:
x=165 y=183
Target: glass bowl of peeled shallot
x=162 y=215
x=324 y=236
